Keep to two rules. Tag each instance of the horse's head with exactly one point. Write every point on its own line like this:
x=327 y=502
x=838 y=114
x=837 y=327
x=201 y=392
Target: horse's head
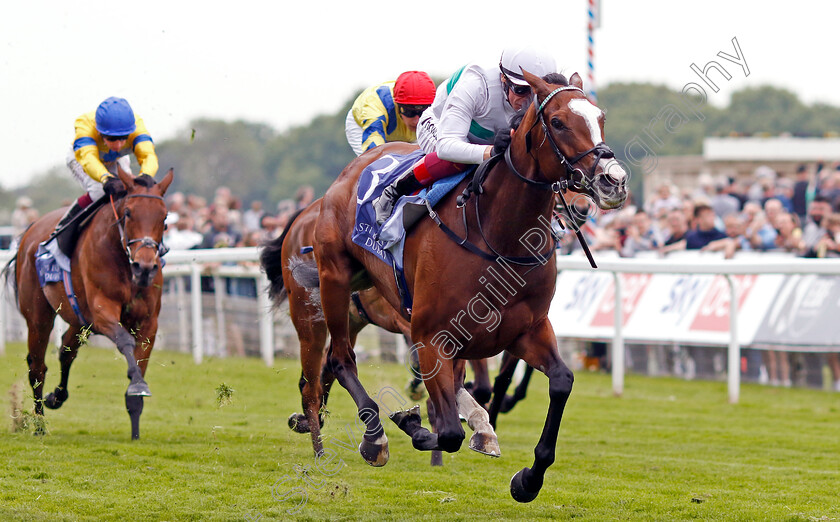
x=144 y=212
x=568 y=142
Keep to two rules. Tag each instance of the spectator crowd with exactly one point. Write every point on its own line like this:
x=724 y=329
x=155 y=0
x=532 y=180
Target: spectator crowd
x=767 y=213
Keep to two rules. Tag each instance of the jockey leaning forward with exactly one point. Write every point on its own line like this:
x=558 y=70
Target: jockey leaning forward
x=389 y=111
x=459 y=128
x=104 y=139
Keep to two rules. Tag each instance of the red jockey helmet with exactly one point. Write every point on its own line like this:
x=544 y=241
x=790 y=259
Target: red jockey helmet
x=414 y=88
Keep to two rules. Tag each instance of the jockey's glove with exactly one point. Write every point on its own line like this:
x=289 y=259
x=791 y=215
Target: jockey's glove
x=113 y=187
x=501 y=142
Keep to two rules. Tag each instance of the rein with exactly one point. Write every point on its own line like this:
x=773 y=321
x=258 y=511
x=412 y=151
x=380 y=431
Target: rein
x=145 y=242
x=475 y=187
x=575 y=179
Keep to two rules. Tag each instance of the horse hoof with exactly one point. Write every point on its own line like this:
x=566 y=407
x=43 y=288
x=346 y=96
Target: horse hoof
x=54 y=401
x=401 y=418
x=298 y=423
x=416 y=391
x=507 y=404
x=375 y=454
x=518 y=490
x=486 y=444
x=140 y=389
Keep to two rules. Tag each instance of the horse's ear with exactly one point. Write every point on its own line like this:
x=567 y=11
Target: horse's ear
x=125 y=177
x=537 y=83
x=165 y=182
x=576 y=81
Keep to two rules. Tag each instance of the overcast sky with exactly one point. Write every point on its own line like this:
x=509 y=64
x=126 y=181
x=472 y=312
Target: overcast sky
x=282 y=63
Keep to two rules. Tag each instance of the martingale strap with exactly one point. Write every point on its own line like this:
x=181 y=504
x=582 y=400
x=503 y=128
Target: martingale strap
x=74 y=303
x=357 y=302
x=462 y=242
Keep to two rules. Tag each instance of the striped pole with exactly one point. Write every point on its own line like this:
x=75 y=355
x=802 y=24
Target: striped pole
x=594 y=22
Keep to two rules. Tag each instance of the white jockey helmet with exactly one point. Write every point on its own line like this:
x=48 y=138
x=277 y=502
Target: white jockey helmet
x=535 y=61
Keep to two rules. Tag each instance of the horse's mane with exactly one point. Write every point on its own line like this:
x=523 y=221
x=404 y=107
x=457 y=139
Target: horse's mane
x=552 y=78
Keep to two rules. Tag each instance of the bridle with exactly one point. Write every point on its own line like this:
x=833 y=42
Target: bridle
x=575 y=178
x=146 y=241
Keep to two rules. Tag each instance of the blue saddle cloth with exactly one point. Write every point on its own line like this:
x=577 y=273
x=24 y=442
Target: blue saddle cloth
x=47 y=267
x=386 y=242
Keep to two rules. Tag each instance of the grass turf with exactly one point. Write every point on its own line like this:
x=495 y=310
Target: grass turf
x=668 y=450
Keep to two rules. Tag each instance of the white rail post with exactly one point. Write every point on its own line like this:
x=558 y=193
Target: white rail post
x=3 y=295
x=266 y=320
x=183 y=319
x=219 y=293
x=618 y=340
x=195 y=301
x=734 y=355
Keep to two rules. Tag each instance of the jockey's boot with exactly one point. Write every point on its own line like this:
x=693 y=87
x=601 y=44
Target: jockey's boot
x=384 y=206
x=67 y=218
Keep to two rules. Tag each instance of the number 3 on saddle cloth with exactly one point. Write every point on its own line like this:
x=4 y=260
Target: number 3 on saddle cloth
x=386 y=242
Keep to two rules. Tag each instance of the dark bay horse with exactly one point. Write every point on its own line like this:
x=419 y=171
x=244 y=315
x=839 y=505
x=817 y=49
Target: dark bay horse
x=471 y=304
x=117 y=279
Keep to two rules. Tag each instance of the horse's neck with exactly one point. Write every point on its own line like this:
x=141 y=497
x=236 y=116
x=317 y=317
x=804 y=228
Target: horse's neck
x=106 y=233
x=510 y=207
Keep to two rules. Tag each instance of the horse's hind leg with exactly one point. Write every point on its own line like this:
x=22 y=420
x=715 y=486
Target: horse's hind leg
x=538 y=348
x=67 y=352
x=484 y=439
x=501 y=385
x=334 y=269
x=39 y=320
x=520 y=392
x=481 y=390
x=37 y=340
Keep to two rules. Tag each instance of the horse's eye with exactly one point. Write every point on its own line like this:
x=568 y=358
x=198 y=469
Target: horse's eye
x=557 y=124
x=127 y=213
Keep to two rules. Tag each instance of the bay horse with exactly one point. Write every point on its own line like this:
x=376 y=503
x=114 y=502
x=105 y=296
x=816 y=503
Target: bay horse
x=558 y=146
x=280 y=258
x=117 y=280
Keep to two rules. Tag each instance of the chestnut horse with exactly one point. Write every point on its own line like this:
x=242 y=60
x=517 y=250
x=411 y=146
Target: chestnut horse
x=116 y=276
x=504 y=252
x=369 y=307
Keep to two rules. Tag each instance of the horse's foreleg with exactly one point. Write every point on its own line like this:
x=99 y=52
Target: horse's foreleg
x=142 y=351
x=106 y=318
x=501 y=385
x=334 y=271
x=68 y=350
x=539 y=349
x=441 y=388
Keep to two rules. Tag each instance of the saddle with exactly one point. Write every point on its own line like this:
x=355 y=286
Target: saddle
x=55 y=252
x=68 y=234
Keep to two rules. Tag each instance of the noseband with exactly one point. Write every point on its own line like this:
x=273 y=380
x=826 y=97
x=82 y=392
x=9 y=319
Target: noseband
x=145 y=242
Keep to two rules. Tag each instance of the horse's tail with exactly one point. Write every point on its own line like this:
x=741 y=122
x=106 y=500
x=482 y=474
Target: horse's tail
x=271 y=260
x=9 y=279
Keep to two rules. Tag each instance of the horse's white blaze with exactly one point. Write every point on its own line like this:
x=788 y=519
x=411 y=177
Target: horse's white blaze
x=612 y=168
x=590 y=113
